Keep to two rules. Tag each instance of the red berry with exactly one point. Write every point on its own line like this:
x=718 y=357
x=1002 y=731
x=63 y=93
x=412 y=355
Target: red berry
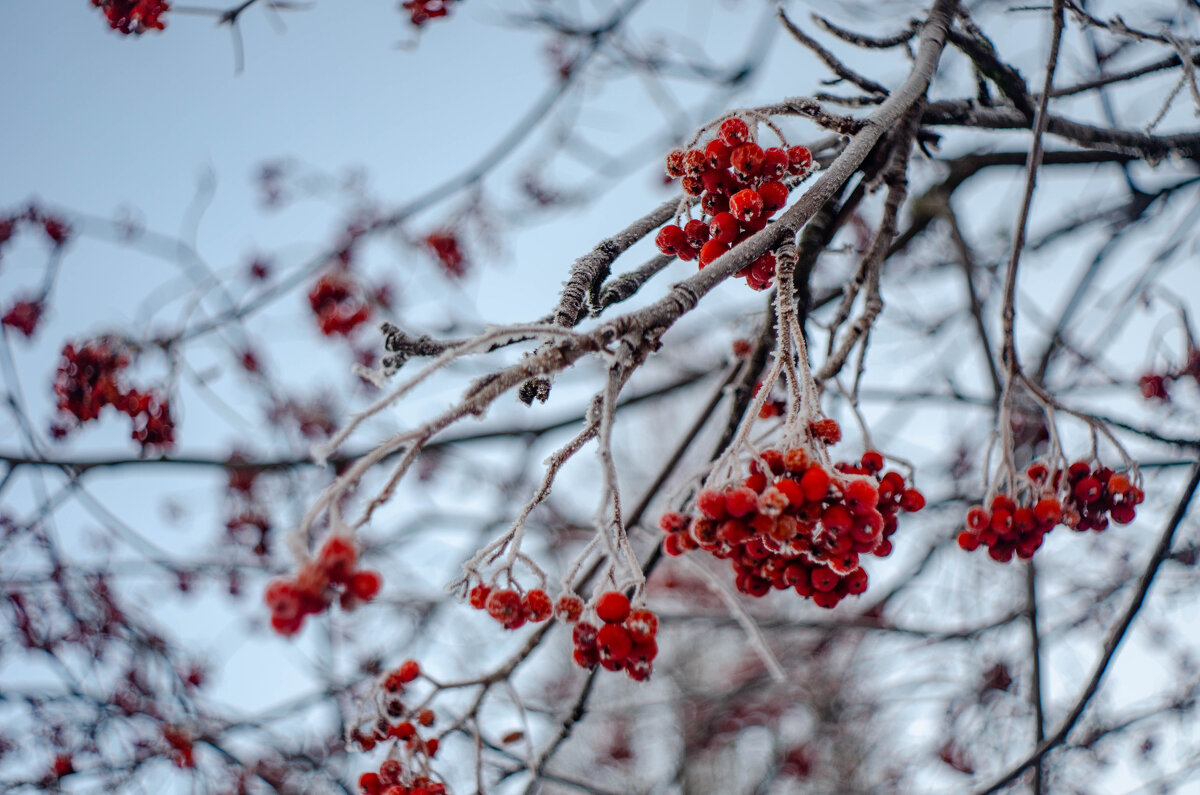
x=369 y=783
x=823 y=579
x=612 y=607
x=337 y=558
x=504 y=605
x=799 y=159
x=711 y=503
x=613 y=642
x=569 y=608
x=675 y=163
x=734 y=132
x=478 y=596
x=978 y=519
x=860 y=496
x=717 y=152
x=746 y=205
x=642 y=625
x=1088 y=489
x=711 y=250
x=856 y=581
x=584 y=635
x=774 y=195
x=740 y=501
x=912 y=500
x=723 y=228
x=774 y=165
x=536 y=605
x=1047 y=511
x=694 y=162
x=408 y=671
x=365 y=584
x=815 y=483
x=747 y=159
x=670 y=240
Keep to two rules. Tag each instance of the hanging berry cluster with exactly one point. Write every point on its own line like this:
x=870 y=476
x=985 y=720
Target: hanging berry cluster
x=1083 y=500
x=740 y=185
x=510 y=606
x=623 y=641
x=133 y=16
x=91 y=376
x=406 y=770
x=339 y=304
x=333 y=573
x=796 y=523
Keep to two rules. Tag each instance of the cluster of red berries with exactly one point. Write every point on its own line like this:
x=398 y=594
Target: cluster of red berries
x=797 y=525
x=54 y=227
x=1154 y=385
x=740 y=186
x=90 y=377
x=339 y=304
x=248 y=524
x=133 y=16
x=333 y=573
x=421 y=11
x=392 y=777
x=624 y=641
x=510 y=606
x=1086 y=500
x=446 y=247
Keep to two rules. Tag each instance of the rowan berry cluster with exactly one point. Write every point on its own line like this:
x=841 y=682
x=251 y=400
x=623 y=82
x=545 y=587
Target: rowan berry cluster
x=339 y=304
x=405 y=770
x=1085 y=499
x=133 y=16
x=740 y=185
x=510 y=606
x=793 y=523
x=624 y=640
x=333 y=573
x=91 y=377
x=421 y=11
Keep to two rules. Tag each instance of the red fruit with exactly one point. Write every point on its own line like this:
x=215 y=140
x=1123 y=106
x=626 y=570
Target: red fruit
x=856 y=582
x=478 y=596
x=978 y=519
x=369 y=783
x=337 y=558
x=799 y=159
x=872 y=461
x=673 y=545
x=774 y=165
x=837 y=519
x=734 y=132
x=586 y=657
x=671 y=240
x=365 y=584
x=740 y=501
x=642 y=625
x=613 y=643
x=1037 y=472
x=390 y=771
x=815 y=483
x=747 y=159
x=1118 y=484
x=723 y=228
x=774 y=195
x=504 y=605
x=694 y=162
x=823 y=579
x=717 y=153
x=425 y=717
x=1088 y=489
x=912 y=500
x=1048 y=511
x=827 y=430
x=696 y=233
x=570 y=607
x=791 y=489
x=1123 y=513
x=692 y=186
x=860 y=496
x=675 y=163
x=711 y=503
x=711 y=250
x=746 y=205
x=584 y=635
x=408 y=671
x=612 y=607
x=536 y=605
x=763 y=269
